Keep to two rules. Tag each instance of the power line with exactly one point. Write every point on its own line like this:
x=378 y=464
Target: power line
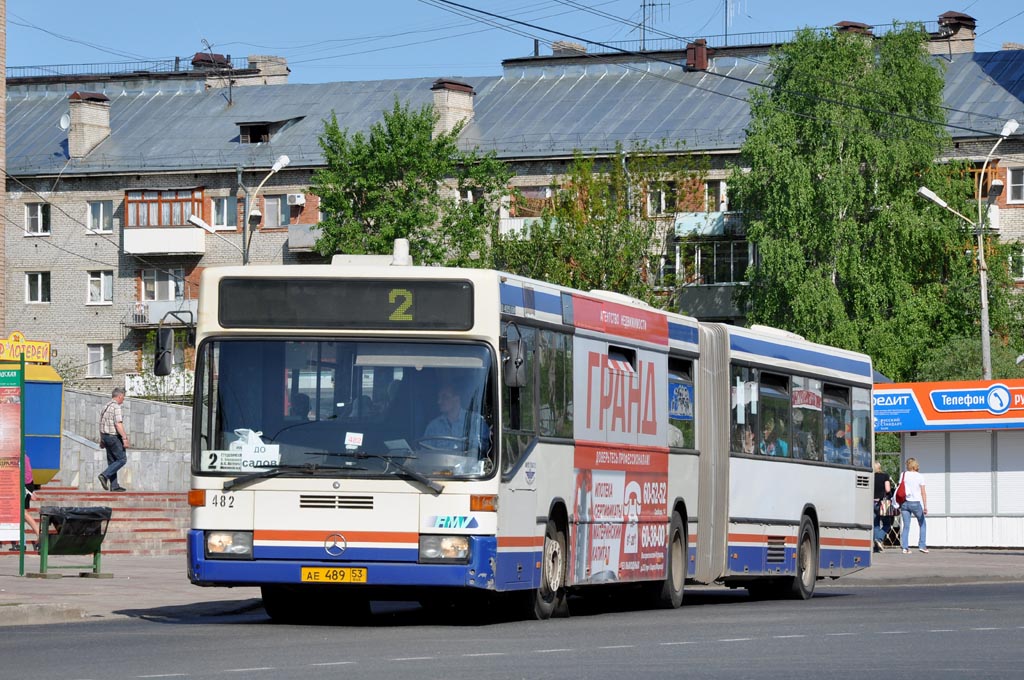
x=726 y=76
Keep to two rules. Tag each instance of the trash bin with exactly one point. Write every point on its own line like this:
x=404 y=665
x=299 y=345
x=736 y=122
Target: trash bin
x=76 y=531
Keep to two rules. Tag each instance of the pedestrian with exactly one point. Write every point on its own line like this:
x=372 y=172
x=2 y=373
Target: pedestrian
x=30 y=493
x=883 y=503
x=114 y=438
x=916 y=505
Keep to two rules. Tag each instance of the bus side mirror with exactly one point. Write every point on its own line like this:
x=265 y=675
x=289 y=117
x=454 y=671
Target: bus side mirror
x=163 y=360
x=514 y=364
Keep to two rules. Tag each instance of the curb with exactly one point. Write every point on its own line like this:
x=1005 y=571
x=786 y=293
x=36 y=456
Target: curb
x=38 y=614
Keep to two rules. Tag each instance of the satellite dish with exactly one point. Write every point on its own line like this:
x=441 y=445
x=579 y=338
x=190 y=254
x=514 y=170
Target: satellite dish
x=65 y=122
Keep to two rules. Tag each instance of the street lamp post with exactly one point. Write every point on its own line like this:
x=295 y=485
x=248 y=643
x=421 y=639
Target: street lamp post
x=197 y=221
x=252 y=212
x=995 y=189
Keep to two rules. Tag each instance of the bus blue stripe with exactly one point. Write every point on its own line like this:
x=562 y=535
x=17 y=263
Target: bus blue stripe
x=511 y=295
x=772 y=350
x=681 y=333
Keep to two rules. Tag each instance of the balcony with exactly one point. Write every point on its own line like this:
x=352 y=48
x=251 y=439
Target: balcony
x=175 y=386
x=302 y=237
x=516 y=226
x=709 y=224
x=148 y=314
x=164 y=241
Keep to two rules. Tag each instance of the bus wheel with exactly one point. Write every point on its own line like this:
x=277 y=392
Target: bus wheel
x=550 y=600
x=668 y=594
x=806 y=562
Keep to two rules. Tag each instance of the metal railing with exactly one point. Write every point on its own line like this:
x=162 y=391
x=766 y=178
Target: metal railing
x=118 y=68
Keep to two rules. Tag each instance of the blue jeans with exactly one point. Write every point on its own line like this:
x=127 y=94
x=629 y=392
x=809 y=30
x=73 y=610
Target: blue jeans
x=917 y=510
x=116 y=457
x=883 y=523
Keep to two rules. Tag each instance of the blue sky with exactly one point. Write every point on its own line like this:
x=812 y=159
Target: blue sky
x=346 y=40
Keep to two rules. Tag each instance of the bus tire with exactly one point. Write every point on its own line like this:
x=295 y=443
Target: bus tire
x=550 y=598
x=313 y=605
x=282 y=604
x=668 y=594
x=802 y=586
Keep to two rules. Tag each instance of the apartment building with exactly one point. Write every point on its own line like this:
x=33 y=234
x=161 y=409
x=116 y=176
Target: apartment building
x=105 y=170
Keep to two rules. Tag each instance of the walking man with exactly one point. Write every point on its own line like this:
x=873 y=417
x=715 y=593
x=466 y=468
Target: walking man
x=114 y=439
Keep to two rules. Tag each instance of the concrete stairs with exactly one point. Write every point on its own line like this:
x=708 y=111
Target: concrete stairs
x=141 y=523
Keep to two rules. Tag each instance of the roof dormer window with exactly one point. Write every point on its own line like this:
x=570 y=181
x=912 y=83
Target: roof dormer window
x=261 y=131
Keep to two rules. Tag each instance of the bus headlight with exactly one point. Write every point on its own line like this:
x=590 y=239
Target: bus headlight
x=444 y=548
x=229 y=545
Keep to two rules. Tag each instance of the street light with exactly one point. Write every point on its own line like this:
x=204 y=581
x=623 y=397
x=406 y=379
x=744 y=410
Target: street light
x=197 y=221
x=254 y=211
x=995 y=189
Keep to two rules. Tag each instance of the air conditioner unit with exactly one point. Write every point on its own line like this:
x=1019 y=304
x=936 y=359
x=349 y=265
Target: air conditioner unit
x=296 y=199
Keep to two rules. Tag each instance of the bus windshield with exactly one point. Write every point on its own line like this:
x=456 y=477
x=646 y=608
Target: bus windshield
x=361 y=408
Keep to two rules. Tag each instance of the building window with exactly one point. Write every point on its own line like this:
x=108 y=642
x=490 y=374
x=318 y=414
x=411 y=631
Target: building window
x=713 y=261
x=530 y=201
x=163 y=284
x=225 y=212
x=101 y=361
x=170 y=207
x=981 y=184
x=715 y=196
x=101 y=287
x=662 y=198
x=1015 y=176
x=276 y=212
x=1017 y=263
x=37 y=286
x=37 y=219
x=101 y=216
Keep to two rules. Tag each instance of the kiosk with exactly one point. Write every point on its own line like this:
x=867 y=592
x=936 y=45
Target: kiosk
x=969 y=440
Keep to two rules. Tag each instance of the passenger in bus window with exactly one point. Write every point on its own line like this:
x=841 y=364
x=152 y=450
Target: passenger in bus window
x=781 y=443
x=456 y=428
x=769 y=439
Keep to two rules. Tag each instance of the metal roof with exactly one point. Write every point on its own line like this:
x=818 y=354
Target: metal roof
x=530 y=111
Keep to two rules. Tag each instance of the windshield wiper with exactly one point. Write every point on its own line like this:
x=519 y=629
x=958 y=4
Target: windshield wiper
x=391 y=461
x=246 y=480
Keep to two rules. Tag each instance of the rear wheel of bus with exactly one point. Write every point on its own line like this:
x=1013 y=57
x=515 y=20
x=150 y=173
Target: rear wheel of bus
x=668 y=594
x=802 y=586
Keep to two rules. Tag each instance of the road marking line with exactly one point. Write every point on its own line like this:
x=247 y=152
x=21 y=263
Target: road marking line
x=736 y=640
x=248 y=670
x=986 y=628
x=785 y=637
x=686 y=642
x=163 y=675
x=332 y=663
x=549 y=651
x=486 y=654
x=838 y=634
x=617 y=647
x=415 y=658
x=942 y=630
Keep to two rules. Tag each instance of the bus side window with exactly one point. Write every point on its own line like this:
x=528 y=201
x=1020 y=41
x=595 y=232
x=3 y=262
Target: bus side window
x=518 y=404
x=838 y=426
x=680 y=403
x=744 y=409
x=775 y=420
x=555 y=385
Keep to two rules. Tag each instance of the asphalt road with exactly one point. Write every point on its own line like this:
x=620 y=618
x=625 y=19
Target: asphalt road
x=943 y=631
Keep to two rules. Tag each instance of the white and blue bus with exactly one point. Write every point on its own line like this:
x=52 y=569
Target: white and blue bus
x=433 y=434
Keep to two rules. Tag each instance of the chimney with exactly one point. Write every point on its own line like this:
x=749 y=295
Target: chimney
x=854 y=27
x=566 y=48
x=273 y=70
x=697 y=55
x=90 y=122
x=955 y=35
x=453 y=102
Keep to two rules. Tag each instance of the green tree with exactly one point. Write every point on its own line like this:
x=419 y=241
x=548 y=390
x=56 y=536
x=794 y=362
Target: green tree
x=596 y=232
x=847 y=253
x=402 y=181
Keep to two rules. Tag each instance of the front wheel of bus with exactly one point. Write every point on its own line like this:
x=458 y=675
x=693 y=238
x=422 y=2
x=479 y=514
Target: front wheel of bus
x=669 y=593
x=806 y=562
x=550 y=599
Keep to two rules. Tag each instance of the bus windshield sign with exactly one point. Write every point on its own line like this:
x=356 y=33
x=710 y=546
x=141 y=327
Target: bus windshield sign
x=361 y=304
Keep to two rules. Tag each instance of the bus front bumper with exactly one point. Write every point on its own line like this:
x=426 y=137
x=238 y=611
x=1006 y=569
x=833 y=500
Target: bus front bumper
x=287 y=569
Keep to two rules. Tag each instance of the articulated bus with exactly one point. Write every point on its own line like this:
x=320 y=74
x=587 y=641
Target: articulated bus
x=441 y=435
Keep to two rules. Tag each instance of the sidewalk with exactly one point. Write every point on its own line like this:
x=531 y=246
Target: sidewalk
x=158 y=588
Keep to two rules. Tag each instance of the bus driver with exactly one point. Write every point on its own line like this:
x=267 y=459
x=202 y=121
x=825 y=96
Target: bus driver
x=456 y=428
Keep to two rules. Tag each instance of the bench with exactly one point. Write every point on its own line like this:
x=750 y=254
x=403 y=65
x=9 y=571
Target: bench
x=76 y=531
